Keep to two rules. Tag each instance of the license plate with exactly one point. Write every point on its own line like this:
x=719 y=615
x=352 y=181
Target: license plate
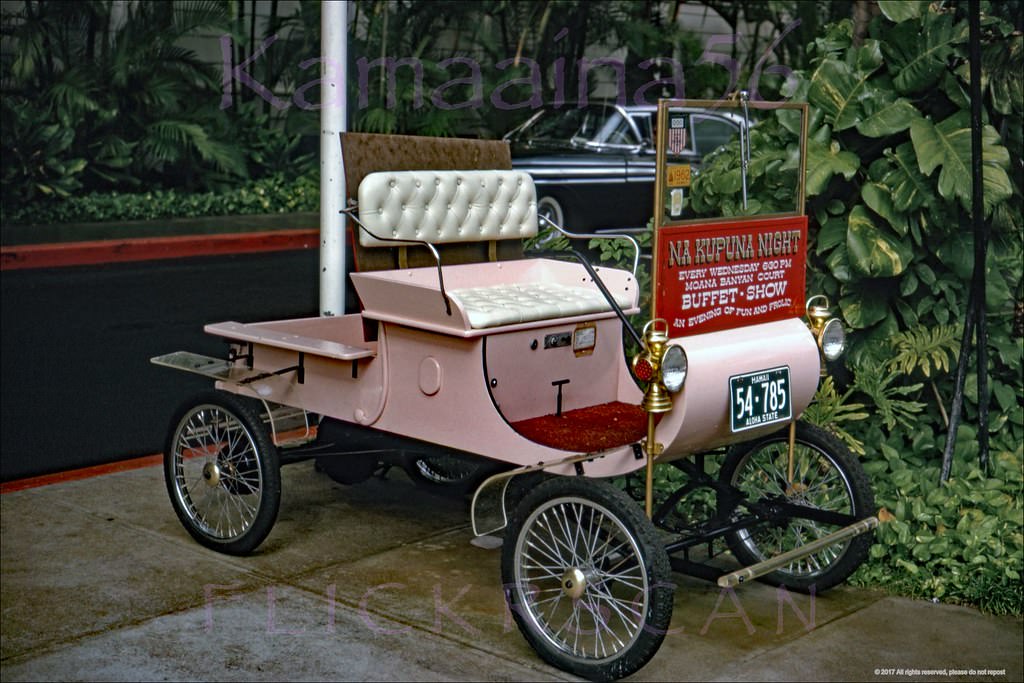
x=759 y=398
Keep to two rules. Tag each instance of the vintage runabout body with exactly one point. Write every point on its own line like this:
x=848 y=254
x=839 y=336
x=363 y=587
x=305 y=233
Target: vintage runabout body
x=471 y=355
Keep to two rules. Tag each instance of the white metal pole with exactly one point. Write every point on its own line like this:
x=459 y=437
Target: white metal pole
x=333 y=110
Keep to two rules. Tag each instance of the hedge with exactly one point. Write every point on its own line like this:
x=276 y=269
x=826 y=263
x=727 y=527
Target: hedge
x=275 y=194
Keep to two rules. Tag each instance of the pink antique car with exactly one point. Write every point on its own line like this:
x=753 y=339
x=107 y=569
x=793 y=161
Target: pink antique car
x=514 y=369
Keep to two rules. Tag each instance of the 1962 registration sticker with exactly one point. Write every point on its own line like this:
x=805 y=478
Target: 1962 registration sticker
x=759 y=398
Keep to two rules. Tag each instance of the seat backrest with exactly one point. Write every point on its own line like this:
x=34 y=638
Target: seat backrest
x=367 y=153
x=443 y=207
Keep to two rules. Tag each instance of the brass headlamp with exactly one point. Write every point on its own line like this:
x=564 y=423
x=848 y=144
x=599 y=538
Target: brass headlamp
x=828 y=331
x=661 y=365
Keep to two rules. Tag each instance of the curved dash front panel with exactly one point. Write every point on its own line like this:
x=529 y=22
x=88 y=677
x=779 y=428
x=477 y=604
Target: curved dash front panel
x=438 y=392
x=700 y=418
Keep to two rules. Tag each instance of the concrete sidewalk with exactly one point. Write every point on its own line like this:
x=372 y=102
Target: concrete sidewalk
x=379 y=582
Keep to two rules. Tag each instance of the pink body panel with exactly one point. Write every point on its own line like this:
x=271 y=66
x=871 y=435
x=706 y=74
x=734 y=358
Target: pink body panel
x=521 y=371
x=420 y=384
x=435 y=387
x=461 y=413
x=412 y=296
x=699 y=418
x=331 y=387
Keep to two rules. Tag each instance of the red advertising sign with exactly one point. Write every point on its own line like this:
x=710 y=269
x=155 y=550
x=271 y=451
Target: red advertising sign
x=723 y=275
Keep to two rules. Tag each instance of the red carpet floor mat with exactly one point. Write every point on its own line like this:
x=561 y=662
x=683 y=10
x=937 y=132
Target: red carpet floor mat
x=585 y=430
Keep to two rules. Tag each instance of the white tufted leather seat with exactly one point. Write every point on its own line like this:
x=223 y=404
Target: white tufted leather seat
x=525 y=302
x=446 y=206
x=404 y=207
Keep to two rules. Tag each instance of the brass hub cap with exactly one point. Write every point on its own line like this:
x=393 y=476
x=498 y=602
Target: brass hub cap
x=211 y=474
x=574 y=583
x=796 y=489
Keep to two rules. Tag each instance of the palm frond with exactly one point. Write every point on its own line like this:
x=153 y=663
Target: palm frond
x=926 y=349
x=72 y=96
x=894 y=409
x=201 y=14
x=830 y=410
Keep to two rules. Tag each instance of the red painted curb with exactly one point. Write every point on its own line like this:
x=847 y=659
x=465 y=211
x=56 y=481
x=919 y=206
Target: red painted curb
x=112 y=467
x=152 y=248
x=82 y=473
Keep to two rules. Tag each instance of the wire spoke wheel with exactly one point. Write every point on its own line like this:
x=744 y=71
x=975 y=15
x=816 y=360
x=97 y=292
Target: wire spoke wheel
x=222 y=473
x=587 y=582
x=826 y=476
x=444 y=469
x=448 y=473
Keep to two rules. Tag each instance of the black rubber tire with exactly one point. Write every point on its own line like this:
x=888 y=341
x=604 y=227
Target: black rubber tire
x=453 y=474
x=817 y=454
x=227 y=501
x=553 y=208
x=520 y=486
x=638 y=585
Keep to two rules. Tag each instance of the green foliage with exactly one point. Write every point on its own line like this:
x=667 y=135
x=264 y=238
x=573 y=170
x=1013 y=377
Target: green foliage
x=481 y=68
x=96 y=99
x=38 y=161
x=889 y=189
x=925 y=349
x=618 y=253
x=958 y=542
x=269 y=147
x=887 y=169
x=771 y=176
x=872 y=248
x=876 y=382
x=948 y=145
x=830 y=410
x=889 y=138
x=117 y=103
x=275 y=194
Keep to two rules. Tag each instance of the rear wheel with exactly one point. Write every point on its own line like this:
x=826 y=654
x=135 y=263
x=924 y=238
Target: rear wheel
x=826 y=476
x=586 y=579
x=222 y=473
x=452 y=473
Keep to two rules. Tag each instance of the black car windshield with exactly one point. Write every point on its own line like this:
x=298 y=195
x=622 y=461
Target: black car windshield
x=579 y=126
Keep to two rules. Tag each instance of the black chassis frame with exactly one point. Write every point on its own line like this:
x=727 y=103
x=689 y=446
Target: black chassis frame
x=734 y=511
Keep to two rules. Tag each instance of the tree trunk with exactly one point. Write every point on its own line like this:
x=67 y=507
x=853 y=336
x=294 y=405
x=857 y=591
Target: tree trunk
x=863 y=12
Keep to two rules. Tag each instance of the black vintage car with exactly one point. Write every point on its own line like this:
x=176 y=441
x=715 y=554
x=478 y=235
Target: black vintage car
x=593 y=165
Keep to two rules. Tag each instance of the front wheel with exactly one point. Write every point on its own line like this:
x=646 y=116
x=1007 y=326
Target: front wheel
x=222 y=473
x=826 y=476
x=586 y=579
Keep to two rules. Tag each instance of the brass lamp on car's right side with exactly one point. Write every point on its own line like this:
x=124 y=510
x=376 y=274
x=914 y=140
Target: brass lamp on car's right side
x=828 y=331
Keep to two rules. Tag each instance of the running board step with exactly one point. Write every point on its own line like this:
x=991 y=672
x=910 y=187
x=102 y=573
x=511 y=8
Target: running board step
x=771 y=564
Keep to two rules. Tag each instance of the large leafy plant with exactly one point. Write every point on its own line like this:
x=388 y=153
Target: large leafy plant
x=888 y=185
x=889 y=194
x=97 y=97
